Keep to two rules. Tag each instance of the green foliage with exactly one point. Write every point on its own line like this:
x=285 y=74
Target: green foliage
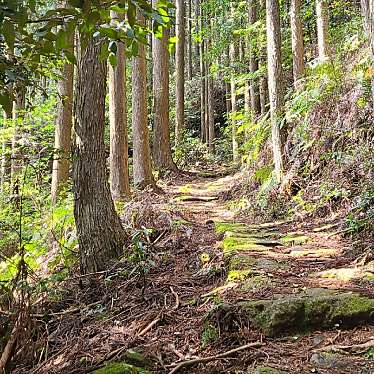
x=210 y=335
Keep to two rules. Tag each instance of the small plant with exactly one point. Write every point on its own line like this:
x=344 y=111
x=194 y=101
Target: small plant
x=210 y=335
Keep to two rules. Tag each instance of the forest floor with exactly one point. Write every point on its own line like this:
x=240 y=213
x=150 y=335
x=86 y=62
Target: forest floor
x=216 y=284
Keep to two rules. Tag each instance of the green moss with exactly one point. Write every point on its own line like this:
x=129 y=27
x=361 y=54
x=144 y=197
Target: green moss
x=222 y=227
x=233 y=245
x=240 y=262
x=187 y=188
x=135 y=358
x=120 y=368
x=294 y=240
x=369 y=276
x=239 y=275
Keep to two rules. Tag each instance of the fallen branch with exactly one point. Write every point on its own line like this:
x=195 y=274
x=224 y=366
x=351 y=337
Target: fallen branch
x=149 y=327
x=359 y=348
x=195 y=361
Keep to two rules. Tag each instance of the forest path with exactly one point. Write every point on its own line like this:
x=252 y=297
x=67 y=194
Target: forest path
x=283 y=278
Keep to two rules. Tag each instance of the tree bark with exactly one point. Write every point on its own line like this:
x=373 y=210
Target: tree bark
x=275 y=81
x=322 y=29
x=143 y=176
x=119 y=163
x=253 y=64
x=64 y=120
x=203 y=81
x=100 y=234
x=161 y=133
x=189 y=41
x=233 y=56
x=180 y=64
x=297 y=44
x=367 y=9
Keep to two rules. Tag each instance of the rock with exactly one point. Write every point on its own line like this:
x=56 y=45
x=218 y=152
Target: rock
x=255 y=283
x=313 y=252
x=233 y=245
x=287 y=314
x=121 y=368
x=294 y=239
x=239 y=275
x=328 y=361
x=266 y=370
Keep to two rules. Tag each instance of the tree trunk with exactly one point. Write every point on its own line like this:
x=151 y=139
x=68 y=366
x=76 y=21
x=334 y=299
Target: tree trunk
x=367 y=8
x=179 y=64
x=275 y=78
x=253 y=64
x=100 y=234
x=297 y=44
x=161 y=134
x=189 y=41
x=233 y=57
x=322 y=29
x=143 y=176
x=64 y=120
x=210 y=100
x=119 y=163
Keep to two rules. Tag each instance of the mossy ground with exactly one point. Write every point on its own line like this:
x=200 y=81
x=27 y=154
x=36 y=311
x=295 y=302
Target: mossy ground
x=121 y=368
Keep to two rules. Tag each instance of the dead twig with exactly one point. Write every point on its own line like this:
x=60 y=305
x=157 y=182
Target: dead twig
x=149 y=327
x=195 y=361
x=358 y=348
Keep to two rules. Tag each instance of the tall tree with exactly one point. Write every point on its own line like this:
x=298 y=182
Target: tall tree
x=297 y=43
x=180 y=65
x=143 y=176
x=161 y=133
x=275 y=81
x=203 y=78
x=322 y=29
x=233 y=54
x=119 y=168
x=367 y=9
x=253 y=61
x=100 y=234
x=189 y=42
x=63 y=124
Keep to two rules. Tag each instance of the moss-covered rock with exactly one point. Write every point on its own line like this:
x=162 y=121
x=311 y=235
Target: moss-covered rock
x=255 y=283
x=286 y=314
x=222 y=227
x=121 y=368
x=233 y=245
x=293 y=239
x=239 y=275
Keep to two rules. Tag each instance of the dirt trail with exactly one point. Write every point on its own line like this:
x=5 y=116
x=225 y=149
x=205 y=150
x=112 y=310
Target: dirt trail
x=216 y=285
x=285 y=278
